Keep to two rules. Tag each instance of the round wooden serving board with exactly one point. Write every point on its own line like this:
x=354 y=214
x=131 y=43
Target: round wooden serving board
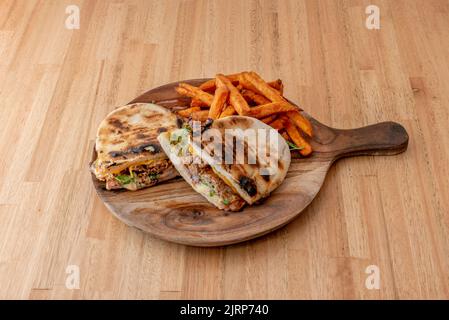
x=173 y=211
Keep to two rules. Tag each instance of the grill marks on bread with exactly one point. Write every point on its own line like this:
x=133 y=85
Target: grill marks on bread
x=130 y=133
x=249 y=177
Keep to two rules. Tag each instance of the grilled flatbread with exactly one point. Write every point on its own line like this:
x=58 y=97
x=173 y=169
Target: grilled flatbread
x=197 y=173
x=128 y=153
x=261 y=171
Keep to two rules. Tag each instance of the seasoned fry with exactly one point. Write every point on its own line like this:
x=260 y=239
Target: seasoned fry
x=194 y=92
x=233 y=94
x=268 y=109
x=251 y=96
x=247 y=85
x=227 y=111
x=260 y=86
x=301 y=122
x=200 y=115
x=235 y=98
x=183 y=92
x=221 y=95
x=187 y=112
x=269 y=119
x=297 y=138
x=277 y=124
x=285 y=136
x=278 y=85
x=209 y=85
x=197 y=103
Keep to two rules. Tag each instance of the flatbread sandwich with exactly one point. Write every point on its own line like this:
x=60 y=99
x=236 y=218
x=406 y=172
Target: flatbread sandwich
x=216 y=168
x=129 y=155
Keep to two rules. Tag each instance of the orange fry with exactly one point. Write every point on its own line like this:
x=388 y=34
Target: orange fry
x=227 y=111
x=268 y=119
x=278 y=85
x=209 y=85
x=301 y=122
x=260 y=86
x=235 y=98
x=197 y=103
x=298 y=139
x=221 y=94
x=285 y=136
x=247 y=85
x=250 y=95
x=187 y=112
x=277 y=124
x=183 y=92
x=268 y=109
x=194 y=92
x=200 y=115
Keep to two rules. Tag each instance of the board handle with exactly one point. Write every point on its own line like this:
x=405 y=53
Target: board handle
x=385 y=138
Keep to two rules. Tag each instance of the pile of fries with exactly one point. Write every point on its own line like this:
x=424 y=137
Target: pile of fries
x=247 y=94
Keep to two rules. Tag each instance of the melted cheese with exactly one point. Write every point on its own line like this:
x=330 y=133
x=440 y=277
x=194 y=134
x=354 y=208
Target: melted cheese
x=103 y=173
x=222 y=177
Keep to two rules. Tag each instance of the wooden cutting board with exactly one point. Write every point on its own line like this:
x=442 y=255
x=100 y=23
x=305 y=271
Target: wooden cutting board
x=173 y=211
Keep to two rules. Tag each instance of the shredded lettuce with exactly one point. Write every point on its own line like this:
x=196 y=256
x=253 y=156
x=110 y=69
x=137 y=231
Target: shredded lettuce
x=154 y=176
x=124 y=179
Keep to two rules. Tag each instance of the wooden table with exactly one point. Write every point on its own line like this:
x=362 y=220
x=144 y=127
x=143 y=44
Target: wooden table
x=57 y=84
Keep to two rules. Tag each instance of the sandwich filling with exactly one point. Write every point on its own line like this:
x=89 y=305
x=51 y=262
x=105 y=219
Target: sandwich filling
x=128 y=153
x=199 y=174
x=137 y=176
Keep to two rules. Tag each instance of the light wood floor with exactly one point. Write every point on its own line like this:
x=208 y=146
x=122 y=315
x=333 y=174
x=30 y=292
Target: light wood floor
x=57 y=84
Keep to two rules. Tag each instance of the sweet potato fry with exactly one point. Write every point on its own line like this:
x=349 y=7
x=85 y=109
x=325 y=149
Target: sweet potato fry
x=285 y=136
x=247 y=85
x=227 y=111
x=194 y=92
x=260 y=86
x=200 y=115
x=297 y=138
x=220 y=97
x=251 y=96
x=269 y=119
x=187 y=112
x=183 y=92
x=268 y=109
x=277 y=124
x=210 y=84
x=197 y=103
x=278 y=85
x=301 y=122
x=233 y=94
x=235 y=98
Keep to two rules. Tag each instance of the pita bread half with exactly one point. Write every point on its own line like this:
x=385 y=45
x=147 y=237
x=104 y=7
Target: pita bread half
x=200 y=176
x=128 y=136
x=252 y=179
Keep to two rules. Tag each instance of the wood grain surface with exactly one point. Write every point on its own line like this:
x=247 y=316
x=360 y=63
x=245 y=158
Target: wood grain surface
x=56 y=85
x=186 y=217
